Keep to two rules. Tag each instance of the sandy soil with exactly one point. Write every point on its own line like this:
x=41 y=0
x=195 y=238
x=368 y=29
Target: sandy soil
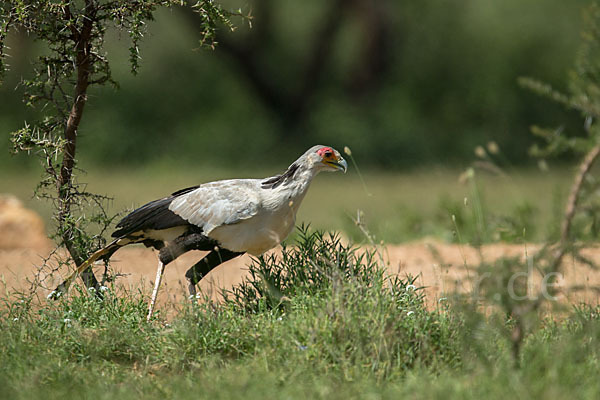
x=439 y=267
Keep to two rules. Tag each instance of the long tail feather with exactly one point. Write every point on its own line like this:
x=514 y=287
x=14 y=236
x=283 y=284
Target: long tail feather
x=63 y=287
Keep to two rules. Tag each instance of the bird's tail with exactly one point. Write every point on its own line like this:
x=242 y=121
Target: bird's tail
x=63 y=287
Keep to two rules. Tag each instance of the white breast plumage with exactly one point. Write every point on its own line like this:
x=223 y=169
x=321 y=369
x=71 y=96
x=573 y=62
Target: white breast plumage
x=259 y=233
x=241 y=215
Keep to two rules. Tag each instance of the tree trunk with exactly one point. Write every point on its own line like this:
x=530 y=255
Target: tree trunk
x=64 y=184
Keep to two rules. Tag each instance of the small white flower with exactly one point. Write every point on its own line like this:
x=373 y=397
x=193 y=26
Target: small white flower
x=408 y=314
x=198 y=295
x=410 y=287
x=103 y=288
x=91 y=289
x=54 y=295
x=15 y=318
x=191 y=297
x=280 y=319
x=67 y=320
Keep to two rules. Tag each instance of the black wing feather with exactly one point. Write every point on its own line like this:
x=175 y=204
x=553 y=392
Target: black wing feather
x=154 y=215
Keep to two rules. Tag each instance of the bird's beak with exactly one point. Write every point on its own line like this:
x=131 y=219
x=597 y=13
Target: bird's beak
x=340 y=164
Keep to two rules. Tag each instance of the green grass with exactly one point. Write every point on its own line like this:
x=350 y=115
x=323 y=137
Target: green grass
x=396 y=207
x=345 y=331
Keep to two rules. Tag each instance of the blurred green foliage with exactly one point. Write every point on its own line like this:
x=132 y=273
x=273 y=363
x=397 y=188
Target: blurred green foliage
x=443 y=80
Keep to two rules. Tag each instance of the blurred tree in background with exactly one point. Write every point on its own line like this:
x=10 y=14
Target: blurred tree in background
x=402 y=83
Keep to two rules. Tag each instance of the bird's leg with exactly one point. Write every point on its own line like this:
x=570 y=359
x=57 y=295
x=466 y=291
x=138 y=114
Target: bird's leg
x=159 y=273
x=185 y=243
x=204 y=266
x=192 y=289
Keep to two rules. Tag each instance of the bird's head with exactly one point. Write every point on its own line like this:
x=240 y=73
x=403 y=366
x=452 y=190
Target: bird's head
x=325 y=158
x=316 y=159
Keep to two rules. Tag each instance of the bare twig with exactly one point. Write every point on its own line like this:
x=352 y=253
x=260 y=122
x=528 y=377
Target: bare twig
x=584 y=169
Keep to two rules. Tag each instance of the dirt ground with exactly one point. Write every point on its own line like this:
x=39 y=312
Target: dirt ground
x=439 y=267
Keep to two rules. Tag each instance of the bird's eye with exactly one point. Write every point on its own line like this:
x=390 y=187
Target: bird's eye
x=328 y=154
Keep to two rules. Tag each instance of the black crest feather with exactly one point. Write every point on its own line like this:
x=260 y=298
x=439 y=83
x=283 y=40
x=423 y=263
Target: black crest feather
x=278 y=180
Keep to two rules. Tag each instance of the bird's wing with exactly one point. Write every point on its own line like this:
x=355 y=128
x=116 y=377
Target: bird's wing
x=154 y=216
x=218 y=203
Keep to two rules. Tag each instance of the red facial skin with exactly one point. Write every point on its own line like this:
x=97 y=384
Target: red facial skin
x=322 y=152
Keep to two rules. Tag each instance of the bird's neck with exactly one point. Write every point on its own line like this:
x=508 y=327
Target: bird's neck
x=300 y=183
x=290 y=185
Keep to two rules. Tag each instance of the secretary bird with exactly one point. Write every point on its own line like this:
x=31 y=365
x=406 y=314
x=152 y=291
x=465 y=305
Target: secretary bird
x=227 y=218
